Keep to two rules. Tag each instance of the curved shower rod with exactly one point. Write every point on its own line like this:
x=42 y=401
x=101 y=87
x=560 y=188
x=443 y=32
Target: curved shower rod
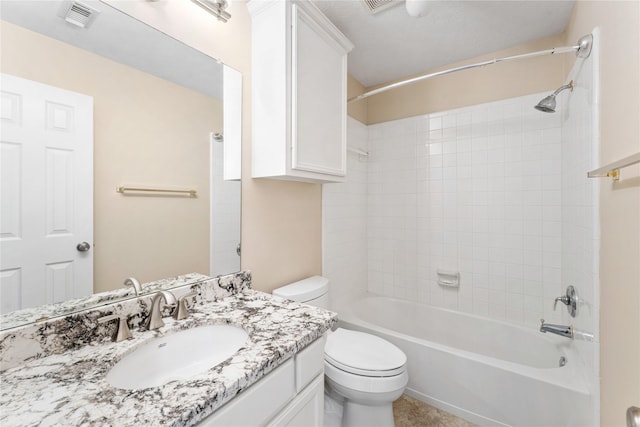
x=582 y=49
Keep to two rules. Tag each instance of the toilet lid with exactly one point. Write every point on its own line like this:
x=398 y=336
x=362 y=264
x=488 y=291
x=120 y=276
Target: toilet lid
x=363 y=354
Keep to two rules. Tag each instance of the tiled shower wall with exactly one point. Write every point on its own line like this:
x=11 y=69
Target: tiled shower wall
x=344 y=224
x=477 y=190
x=580 y=215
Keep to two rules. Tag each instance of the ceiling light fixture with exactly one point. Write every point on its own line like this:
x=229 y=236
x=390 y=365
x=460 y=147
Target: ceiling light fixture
x=215 y=7
x=418 y=8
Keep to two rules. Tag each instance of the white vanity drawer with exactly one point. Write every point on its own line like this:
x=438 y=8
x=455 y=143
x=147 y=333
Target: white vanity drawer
x=259 y=403
x=310 y=363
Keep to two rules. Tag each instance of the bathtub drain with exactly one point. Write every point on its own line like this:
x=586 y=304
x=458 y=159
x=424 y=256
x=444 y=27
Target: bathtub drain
x=563 y=361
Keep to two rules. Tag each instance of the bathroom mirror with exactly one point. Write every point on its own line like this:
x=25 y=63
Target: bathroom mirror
x=155 y=121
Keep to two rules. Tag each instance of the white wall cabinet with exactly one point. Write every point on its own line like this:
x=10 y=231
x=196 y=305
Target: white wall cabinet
x=299 y=93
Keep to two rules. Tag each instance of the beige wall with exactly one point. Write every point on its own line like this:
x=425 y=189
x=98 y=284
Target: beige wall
x=485 y=84
x=619 y=23
x=281 y=221
x=148 y=132
x=357 y=110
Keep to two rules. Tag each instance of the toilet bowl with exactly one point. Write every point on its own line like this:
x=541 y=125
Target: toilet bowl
x=366 y=372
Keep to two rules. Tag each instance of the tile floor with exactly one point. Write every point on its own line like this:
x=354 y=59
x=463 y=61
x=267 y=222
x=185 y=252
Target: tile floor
x=409 y=412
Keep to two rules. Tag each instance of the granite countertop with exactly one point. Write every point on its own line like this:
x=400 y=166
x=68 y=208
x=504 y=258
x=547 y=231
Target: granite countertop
x=70 y=388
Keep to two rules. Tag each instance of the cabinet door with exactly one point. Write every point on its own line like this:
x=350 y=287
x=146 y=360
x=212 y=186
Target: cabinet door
x=318 y=139
x=262 y=401
x=306 y=410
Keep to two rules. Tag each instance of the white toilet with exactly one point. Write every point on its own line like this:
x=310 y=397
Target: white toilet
x=367 y=372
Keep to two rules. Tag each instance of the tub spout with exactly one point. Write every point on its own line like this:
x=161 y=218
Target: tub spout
x=565 y=331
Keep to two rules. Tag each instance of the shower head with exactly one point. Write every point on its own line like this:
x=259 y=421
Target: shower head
x=548 y=104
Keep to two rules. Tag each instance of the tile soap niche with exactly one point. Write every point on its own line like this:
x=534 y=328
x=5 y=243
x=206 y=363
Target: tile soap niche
x=448 y=278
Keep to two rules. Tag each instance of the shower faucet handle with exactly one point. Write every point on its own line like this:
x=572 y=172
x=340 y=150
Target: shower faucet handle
x=563 y=299
x=570 y=299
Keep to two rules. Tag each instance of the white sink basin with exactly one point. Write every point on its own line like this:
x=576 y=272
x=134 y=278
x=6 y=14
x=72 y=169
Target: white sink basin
x=177 y=356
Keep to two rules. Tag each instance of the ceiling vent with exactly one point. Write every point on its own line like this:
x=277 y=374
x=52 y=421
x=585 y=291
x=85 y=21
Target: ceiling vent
x=377 y=6
x=78 y=14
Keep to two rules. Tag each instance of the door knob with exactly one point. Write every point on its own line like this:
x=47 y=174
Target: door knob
x=83 y=247
x=633 y=416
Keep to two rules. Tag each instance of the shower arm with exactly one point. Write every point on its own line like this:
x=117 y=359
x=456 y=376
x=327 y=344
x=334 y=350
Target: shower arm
x=561 y=88
x=582 y=50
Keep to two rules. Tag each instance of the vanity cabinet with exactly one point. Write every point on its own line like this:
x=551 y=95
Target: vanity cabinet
x=290 y=396
x=306 y=410
x=299 y=93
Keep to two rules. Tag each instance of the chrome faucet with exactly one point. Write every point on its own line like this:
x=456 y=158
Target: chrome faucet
x=132 y=281
x=155 y=314
x=565 y=331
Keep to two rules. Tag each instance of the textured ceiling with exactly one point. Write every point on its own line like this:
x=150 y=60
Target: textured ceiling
x=391 y=44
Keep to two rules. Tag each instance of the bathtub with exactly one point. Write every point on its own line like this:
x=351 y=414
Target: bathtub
x=489 y=372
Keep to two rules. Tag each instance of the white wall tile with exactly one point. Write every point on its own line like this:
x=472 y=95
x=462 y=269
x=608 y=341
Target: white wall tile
x=485 y=205
x=344 y=212
x=495 y=191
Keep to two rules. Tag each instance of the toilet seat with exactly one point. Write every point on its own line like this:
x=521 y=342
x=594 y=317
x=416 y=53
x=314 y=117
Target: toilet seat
x=364 y=372
x=365 y=384
x=363 y=354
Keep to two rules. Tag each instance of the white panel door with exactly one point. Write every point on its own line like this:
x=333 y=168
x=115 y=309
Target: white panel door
x=46 y=194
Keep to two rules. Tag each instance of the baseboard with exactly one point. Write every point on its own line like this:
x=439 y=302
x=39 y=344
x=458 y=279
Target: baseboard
x=458 y=412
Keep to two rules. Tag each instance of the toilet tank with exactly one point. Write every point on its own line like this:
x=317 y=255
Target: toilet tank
x=312 y=290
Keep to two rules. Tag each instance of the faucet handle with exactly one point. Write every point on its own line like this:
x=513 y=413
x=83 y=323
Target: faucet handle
x=122 y=330
x=182 y=310
x=563 y=299
x=570 y=299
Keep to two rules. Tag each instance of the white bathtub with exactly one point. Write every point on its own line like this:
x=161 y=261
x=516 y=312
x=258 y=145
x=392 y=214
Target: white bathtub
x=489 y=372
